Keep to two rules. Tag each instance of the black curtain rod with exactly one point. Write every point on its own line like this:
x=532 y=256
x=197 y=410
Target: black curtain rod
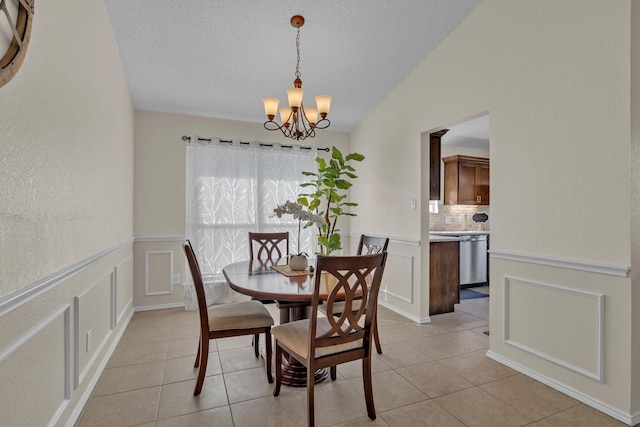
x=187 y=139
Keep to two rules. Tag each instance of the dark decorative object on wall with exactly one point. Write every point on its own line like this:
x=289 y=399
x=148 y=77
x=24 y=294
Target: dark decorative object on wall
x=480 y=217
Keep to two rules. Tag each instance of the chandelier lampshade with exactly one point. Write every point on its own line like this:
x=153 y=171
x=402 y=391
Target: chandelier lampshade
x=297 y=121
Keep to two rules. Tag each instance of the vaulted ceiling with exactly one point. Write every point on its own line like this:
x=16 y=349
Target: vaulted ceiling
x=219 y=58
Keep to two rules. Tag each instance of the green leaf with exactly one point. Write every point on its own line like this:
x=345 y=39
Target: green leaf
x=342 y=184
x=355 y=156
x=336 y=154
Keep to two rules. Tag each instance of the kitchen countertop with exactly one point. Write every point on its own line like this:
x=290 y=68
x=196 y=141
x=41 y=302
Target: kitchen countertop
x=434 y=238
x=459 y=233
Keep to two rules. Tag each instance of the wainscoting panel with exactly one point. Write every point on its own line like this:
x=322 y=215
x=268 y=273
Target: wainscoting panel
x=93 y=317
x=123 y=289
x=40 y=356
x=568 y=328
x=158 y=272
x=398 y=278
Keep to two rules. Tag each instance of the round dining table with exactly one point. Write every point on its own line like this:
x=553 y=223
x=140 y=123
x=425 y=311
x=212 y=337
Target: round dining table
x=292 y=292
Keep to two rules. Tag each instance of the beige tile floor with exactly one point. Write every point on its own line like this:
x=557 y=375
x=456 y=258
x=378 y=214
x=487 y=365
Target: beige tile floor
x=428 y=375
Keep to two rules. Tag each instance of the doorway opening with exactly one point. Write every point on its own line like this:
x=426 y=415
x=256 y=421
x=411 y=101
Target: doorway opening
x=459 y=205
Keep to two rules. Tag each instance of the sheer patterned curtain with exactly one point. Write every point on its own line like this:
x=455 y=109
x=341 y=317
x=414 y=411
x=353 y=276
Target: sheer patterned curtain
x=232 y=188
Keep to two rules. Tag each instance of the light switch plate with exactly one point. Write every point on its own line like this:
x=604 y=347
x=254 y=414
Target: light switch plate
x=175 y=279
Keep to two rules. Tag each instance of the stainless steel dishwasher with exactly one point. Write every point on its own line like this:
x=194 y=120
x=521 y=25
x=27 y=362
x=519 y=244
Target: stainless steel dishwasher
x=473 y=259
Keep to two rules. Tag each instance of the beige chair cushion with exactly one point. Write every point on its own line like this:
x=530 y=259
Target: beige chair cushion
x=295 y=335
x=241 y=315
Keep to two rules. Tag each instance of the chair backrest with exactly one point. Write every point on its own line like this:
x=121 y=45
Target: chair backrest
x=372 y=245
x=198 y=283
x=345 y=279
x=268 y=245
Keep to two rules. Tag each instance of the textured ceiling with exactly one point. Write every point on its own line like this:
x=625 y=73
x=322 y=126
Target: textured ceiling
x=219 y=58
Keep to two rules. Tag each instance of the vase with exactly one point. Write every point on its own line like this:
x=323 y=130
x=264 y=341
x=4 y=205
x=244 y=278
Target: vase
x=298 y=262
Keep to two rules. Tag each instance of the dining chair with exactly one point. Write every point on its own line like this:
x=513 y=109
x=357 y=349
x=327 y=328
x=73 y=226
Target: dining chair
x=268 y=245
x=326 y=341
x=367 y=245
x=226 y=320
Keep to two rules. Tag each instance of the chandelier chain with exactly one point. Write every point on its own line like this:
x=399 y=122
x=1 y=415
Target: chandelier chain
x=298 y=54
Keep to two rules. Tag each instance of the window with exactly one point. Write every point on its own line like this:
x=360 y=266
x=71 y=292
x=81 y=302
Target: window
x=232 y=188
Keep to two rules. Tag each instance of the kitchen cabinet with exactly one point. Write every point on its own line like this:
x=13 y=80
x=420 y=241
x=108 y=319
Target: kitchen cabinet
x=444 y=276
x=466 y=180
x=435 y=140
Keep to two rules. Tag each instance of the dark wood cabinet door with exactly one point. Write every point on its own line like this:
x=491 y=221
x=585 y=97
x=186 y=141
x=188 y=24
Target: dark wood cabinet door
x=482 y=184
x=444 y=276
x=467 y=183
x=466 y=180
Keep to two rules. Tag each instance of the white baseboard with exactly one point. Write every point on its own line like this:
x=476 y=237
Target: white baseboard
x=159 y=306
x=405 y=314
x=587 y=400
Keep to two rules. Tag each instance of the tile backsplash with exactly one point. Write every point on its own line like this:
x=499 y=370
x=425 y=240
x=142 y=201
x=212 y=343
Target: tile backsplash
x=458 y=218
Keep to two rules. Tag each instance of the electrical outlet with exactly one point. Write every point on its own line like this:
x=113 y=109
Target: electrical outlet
x=88 y=341
x=447 y=220
x=175 y=279
x=414 y=204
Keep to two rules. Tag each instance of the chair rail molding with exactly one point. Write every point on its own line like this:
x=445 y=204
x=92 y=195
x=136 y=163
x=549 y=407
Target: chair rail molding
x=144 y=239
x=16 y=298
x=573 y=264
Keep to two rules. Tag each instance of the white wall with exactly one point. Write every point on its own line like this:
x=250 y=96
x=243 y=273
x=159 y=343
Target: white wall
x=160 y=191
x=555 y=78
x=66 y=215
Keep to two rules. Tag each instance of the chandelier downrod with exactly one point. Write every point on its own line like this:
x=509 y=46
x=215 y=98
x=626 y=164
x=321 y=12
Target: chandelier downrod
x=298 y=123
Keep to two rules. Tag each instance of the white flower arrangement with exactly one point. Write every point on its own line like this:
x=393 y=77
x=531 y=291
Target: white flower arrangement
x=298 y=212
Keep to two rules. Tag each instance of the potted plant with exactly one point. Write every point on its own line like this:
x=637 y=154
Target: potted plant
x=299 y=260
x=327 y=198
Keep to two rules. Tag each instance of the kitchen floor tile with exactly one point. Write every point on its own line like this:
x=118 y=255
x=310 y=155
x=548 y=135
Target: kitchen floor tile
x=178 y=399
x=218 y=417
x=529 y=397
x=131 y=377
x=390 y=390
x=477 y=369
x=475 y=407
x=579 y=416
x=121 y=409
x=181 y=368
x=247 y=384
x=426 y=413
x=434 y=379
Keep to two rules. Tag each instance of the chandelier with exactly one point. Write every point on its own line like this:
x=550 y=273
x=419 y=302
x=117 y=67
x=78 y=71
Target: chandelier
x=297 y=122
